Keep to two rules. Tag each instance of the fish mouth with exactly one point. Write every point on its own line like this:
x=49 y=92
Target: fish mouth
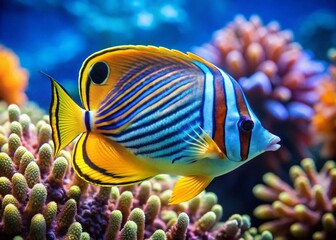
x=273 y=145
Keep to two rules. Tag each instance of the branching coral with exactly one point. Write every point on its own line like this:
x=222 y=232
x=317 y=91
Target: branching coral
x=13 y=78
x=305 y=211
x=42 y=198
x=277 y=77
x=324 y=120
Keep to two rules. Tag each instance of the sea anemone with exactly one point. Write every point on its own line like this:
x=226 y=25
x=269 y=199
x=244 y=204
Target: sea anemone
x=324 y=120
x=13 y=78
x=43 y=198
x=305 y=211
x=277 y=77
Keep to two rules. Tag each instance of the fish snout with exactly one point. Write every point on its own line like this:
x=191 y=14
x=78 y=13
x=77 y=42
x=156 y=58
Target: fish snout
x=273 y=145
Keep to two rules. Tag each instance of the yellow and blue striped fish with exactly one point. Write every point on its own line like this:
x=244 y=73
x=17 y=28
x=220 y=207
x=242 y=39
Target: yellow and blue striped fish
x=149 y=110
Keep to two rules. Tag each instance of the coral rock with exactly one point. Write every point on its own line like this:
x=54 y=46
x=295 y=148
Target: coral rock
x=304 y=210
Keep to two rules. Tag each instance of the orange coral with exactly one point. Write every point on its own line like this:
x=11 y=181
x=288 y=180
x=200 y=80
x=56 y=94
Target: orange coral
x=324 y=121
x=13 y=78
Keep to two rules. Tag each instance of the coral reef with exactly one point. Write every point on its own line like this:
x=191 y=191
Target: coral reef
x=324 y=120
x=13 y=78
x=305 y=211
x=42 y=198
x=277 y=76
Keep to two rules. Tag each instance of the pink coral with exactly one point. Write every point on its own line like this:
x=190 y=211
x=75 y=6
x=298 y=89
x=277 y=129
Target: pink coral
x=13 y=78
x=277 y=77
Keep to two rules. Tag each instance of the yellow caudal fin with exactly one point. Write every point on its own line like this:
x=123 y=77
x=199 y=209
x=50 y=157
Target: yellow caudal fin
x=104 y=162
x=66 y=117
x=188 y=187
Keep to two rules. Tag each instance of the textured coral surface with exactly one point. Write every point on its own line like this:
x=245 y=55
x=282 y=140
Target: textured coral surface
x=306 y=210
x=42 y=198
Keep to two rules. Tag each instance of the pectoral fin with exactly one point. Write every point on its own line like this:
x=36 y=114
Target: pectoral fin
x=188 y=187
x=202 y=146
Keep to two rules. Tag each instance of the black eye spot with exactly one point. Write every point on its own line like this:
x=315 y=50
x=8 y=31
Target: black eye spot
x=99 y=73
x=246 y=124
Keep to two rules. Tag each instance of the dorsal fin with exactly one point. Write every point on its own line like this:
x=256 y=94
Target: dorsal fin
x=122 y=60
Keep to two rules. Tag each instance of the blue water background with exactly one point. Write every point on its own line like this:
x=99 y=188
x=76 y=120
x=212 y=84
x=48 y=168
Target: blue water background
x=56 y=36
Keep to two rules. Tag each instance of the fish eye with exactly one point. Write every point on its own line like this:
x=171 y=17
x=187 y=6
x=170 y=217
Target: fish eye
x=246 y=124
x=99 y=73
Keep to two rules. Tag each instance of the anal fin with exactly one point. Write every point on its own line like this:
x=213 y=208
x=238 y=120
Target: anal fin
x=102 y=161
x=188 y=187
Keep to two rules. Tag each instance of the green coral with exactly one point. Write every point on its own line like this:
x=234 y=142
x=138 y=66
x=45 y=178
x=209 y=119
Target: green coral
x=37 y=198
x=13 y=112
x=16 y=128
x=25 y=124
x=158 y=235
x=14 y=142
x=6 y=165
x=32 y=174
x=138 y=216
x=44 y=135
x=67 y=215
x=74 y=192
x=179 y=230
x=152 y=209
x=114 y=225
x=38 y=227
x=9 y=199
x=18 y=155
x=5 y=186
x=26 y=158
x=58 y=171
x=74 y=232
x=45 y=158
x=20 y=187
x=11 y=220
x=129 y=231
x=50 y=213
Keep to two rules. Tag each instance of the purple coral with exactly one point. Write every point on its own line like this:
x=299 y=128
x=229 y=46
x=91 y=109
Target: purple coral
x=306 y=210
x=278 y=78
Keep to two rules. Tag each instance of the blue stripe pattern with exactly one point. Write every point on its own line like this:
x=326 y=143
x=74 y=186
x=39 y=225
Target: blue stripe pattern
x=232 y=142
x=208 y=99
x=116 y=104
x=155 y=130
x=143 y=107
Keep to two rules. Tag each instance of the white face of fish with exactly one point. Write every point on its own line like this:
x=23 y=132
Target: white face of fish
x=261 y=140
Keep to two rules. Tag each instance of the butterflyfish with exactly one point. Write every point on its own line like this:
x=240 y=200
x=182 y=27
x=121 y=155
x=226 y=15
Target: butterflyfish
x=150 y=110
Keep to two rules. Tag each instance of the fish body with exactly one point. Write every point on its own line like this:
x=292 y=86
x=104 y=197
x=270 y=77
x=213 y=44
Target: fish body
x=149 y=110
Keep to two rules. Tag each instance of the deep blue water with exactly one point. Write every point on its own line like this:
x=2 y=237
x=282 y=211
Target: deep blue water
x=56 y=36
